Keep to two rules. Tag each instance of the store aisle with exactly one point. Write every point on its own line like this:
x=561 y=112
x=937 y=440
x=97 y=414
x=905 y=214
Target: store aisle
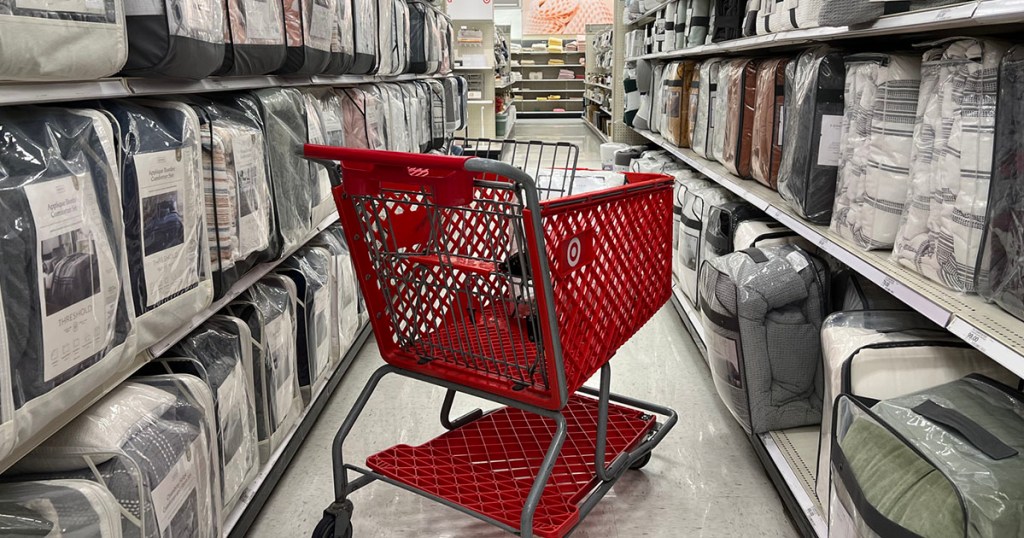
x=703 y=481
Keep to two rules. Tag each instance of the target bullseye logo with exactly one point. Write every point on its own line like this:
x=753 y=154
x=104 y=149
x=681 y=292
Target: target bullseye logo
x=574 y=252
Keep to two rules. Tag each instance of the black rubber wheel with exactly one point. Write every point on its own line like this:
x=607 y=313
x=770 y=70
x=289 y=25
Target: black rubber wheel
x=639 y=464
x=325 y=529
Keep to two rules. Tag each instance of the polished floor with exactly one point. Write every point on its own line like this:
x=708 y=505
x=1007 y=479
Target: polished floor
x=703 y=481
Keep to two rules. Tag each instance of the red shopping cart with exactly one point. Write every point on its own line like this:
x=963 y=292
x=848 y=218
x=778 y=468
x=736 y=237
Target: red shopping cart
x=476 y=285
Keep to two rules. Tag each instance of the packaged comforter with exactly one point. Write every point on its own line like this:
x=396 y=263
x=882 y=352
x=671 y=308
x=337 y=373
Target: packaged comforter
x=255 y=40
x=1000 y=274
x=767 y=132
x=345 y=302
x=364 y=121
x=61 y=41
x=875 y=147
x=944 y=461
x=762 y=311
x=726 y=20
x=59 y=509
x=183 y=39
x=310 y=271
x=779 y=15
x=162 y=195
x=657 y=104
x=813 y=127
x=425 y=39
x=851 y=12
x=721 y=225
x=394 y=37
x=366 y=28
x=698 y=21
x=941 y=230
x=324 y=126
x=718 y=118
x=151 y=443
x=65 y=300
x=741 y=92
x=645 y=85
x=704 y=126
x=698 y=199
x=309 y=27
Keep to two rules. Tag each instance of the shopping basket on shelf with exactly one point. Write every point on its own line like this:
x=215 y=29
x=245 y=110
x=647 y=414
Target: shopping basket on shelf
x=476 y=285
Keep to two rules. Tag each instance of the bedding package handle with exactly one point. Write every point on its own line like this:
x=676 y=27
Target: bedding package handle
x=970 y=430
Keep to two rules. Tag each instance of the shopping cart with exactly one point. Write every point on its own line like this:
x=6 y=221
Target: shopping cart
x=555 y=161
x=475 y=285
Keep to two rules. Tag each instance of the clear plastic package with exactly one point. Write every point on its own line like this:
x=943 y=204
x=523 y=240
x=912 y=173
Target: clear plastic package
x=397 y=118
x=439 y=128
x=766 y=232
x=64 y=41
x=767 y=132
x=419 y=126
x=875 y=146
x=365 y=32
x=457 y=89
x=310 y=271
x=255 y=38
x=704 y=126
x=718 y=116
x=738 y=120
x=151 y=443
x=645 y=85
x=309 y=29
x=62 y=238
x=943 y=222
x=698 y=18
x=699 y=198
x=719 y=232
x=325 y=126
x=345 y=304
x=851 y=12
x=692 y=97
x=423 y=36
x=812 y=131
x=60 y=508
x=162 y=196
x=364 y=118
x=182 y=39
x=679 y=77
x=657 y=104
x=726 y=20
x=774 y=16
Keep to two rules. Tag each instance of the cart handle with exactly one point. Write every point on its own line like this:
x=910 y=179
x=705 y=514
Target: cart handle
x=365 y=170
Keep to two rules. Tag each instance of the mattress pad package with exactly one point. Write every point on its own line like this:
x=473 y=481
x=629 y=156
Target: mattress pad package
x=365 y=17
x=220 y=353
x=874 y=150
x=812 y=130
x=182 y=39
x=721 y=225
x=762 y=311
x=851 y=12
x=283 y=112
x=943 y=461
x=309 y=27
x=58 y=509
x=151 y=444
x=324 y=126
x=704 y=126
x=780 y=15
x=310 y=271
x=741 y=92
x=881 y=354
x=255 y=39
x=1000 y=274
x=345 y=302
x=675 y=99
x=162 y=196
x=698 y=199
x=698 y=21
x=269 y=307
x=943 y=222
x=65 y=41
x=65 y=298
x=767 y=131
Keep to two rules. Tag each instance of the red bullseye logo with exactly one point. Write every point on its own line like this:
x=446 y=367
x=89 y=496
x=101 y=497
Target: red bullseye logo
x=574 y=251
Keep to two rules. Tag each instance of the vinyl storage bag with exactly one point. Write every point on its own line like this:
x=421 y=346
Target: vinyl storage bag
x=255 y=41
x=813 y=126
x=762 y=311
x=268 y=307
x=704 y=126
x=345 y=302
x=718 y=118
x=726 y=20
x=767 y=132
x=162 y=195
x=944 y=461
x=850 y=12
x=64 y=41
x=343 y=40
x=720 y=227
x=882 y=354
x=309 y=27
x=765 y=232
x=943 y=223
x=151 y=443
x=425 y=39
x=179 y=38
x=220 y=353
x=779 y=15
x=59 y=508
x=675 y=90
x=394 y=37
x=698 y=21
x=62 y=242
x=698 y=199
x=364 y=120
x=398 y=119
x=657 y=105
x=739 y=116
x=324 y=126
x=874 y=150
x=310 y=271
x=366 y=29
x=1000 y=273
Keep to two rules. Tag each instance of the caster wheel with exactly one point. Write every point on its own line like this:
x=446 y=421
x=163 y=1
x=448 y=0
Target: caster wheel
x=336 y=523
x=640 y=463
x=325 y=529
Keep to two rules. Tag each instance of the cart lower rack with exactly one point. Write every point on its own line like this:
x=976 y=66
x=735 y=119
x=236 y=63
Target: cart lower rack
x=476 y=285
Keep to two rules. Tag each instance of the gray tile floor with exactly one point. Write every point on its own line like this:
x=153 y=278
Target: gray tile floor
x=703 y=481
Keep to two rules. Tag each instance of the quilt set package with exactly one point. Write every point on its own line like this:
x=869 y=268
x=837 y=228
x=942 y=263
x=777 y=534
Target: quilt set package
x=345 y=304
x=738 y=120
x=704 y=126
x=183 y=39
x=767 y=131
x=310 y=271
x=59 y=508
x=255 y=38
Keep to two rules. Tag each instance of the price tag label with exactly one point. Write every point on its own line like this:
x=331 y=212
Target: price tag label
x=822 y=242
x=890 y=285
x=773 y=212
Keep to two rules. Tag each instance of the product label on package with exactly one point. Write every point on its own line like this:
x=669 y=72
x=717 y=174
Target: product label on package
x=177 y=486
x=320 y=25
x=250 y=182
x=828 y=144
x=233 y=408
x=260 y=23
x=72 y=272
x=322 y=329
x=724 y=357
x=169 y=263
x=281 y=357
x=85 y=7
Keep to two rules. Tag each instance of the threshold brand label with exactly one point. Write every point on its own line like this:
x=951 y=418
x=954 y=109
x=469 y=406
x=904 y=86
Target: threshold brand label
x=177 y=486
x=828 y=144
x=251 y=185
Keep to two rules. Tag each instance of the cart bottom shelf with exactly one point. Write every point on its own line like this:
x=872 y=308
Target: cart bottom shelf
x=489 y=465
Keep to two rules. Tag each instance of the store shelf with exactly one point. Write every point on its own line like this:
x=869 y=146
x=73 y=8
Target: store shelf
x=473 y=68
x=549 y=100
x=787 y=456
x=597 y=132
x=559 y=90
x=962 y=16
x=254 y=497
x=531 y=52
x=498 y=85
x=525 y=114
x=648 y=16
x=606 y=111
x=690 y=317
x=982 y=325
x=479 y=102
x=552 y=80
x=548 y=65
x=595 y=84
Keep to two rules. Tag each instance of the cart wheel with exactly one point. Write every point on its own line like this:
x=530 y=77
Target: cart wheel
x=337 y=514
x=325 y=529
x=639 y=464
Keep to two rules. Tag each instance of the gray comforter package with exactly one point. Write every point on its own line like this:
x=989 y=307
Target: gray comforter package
x=707 y=96
x=152 y=444
x=393 y=36
x=62 y=240
x=698 y=198
x=162 y=195
x=881 y=99
x=780 y=15
x=813 y=126
x=308 y=28
x=726 y=20
x=181 y=39
x=944 y=461
x=943 y=222
x=345 y=304
x=698 y=22
x=310 y=271
x=645 y=85
x=882 y=354
x=851 y=12
x=1000 y=274
x=762 y=312
x=58 y=509
x=255 y=38
x=324 y=126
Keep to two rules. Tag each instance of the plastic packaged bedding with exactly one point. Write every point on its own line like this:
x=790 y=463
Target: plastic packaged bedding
x=58 y=509
x=944 y=461
x=726 y=20
x=851 y=12
x=693 y=101
x=678 y=78
x=881 y=354
x=426 y=39
x=394 y=33
x=62 y=240
x=812 y=130
x=182 y=39
x=704 y=127
x=875 y=147
x=325 y=126
x=366 y=27
x=657 y=105
x=310 y=271
x=162 y=196
x=456 y=91
x=718 y=115
x=255 y=38
x=420 y=120
x=284 y=124
x=767 y=132
x=738 y=119
x=762 y=311
x=364 y=118
x=61 y=41
x=780 y=15
x=438 y=114
x=397 y=118
x=766 y=232
x=269 y=307
x=698 y=21
x=345 y=303
x=1000 y=274
x=309 y=29
x=721 y=225
x=558 y=183
x=943 y=222
x=699 y=198
x=645 y=85
x=151 y=444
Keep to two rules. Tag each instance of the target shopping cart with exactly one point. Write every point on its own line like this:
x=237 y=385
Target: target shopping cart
x=476 y=285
